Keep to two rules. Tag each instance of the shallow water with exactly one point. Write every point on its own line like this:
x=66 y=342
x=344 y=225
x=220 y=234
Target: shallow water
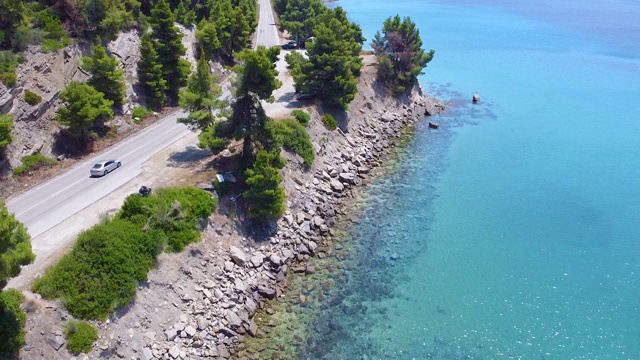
x=513 y=230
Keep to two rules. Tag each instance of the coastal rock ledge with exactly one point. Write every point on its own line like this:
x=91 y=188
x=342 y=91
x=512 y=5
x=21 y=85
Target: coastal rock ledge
x=201 y=303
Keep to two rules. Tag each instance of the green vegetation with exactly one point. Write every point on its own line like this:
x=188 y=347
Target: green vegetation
x=199 y=97
x=333 y=60
x=12 y=321
x=207 y=38
x=106 y=75
x=80 y=336
x=8 y=64
x=173 y=212
x=6 y=126
x=265 y=198
x=256 y=79
x=400 y=55
x=32 y=98
x=168 y=45
x=102 y=271
x=15 y=245
x=329 y=122
x=15 y=251
x=85 y=108
x=292 y=135
x=302 y=117
x=32 y=162
x=150 y=72
x=140 y=112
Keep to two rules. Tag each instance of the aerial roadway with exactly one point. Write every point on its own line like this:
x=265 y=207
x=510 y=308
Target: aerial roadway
x=47 y=205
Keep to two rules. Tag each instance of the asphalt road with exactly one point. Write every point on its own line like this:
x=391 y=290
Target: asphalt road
x=267 y=31
x=49 y=204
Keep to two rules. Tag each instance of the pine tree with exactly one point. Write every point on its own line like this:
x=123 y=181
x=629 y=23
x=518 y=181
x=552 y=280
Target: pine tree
x=265 y=198
x=107 y=77
x=169 y=47
x=207 y=37
x=199 y=97
x=180 y=13
x=150 y=72
x=85 y=107
x=400 y=55
x=334 y=61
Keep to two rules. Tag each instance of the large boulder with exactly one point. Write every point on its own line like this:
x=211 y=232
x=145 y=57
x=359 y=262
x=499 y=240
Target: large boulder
x=237 y=256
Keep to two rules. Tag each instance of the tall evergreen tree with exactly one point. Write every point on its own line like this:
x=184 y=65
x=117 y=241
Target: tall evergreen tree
x=400 y=55
x=169 y=47
x=150 y=72
x=334 y=61
x=265 y=198
x=256 y=79
x=207 y=38
x=107 y=76
x=199 y=97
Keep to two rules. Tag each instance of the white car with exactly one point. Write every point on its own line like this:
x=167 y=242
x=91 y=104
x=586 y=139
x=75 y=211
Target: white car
x=103 y=167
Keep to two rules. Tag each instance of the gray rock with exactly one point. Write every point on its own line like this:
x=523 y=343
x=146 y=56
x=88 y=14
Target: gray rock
x=240 y=285
x=267 y=292
x=475 y=98
x=287 y=254
x=237 y=256
x=317 y=221
x=171 y=334
x=146 y=354
x=257 y=260
x=336 y=185
x=190 y=330
x=234 y=320
x=275 y=259
x=56 y=341
x=223 y=352
x=251 y=306
x=174 y=352
x=252 y=329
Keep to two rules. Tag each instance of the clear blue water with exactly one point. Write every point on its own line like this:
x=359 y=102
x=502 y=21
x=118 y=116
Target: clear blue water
x=513 y=232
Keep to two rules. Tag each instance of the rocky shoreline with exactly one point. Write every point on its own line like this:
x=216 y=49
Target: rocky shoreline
x=204 y=301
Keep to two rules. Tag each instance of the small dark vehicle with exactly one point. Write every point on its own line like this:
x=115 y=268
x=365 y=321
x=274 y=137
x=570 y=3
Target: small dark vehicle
x=144 y=191
x=290 y=45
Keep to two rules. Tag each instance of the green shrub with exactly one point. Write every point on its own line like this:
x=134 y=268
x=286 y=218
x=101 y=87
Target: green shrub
x=302 y=117
x=292 y=135
x=8 y=64
x=9 y=79
x=140 y=113
x=329 y=122
x=102 y=271
x=33 y=162
x=12 y=321
x=32 y=98
x=80 y=336
x=173 y=211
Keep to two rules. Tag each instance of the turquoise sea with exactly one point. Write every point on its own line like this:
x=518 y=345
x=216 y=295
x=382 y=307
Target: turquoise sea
x=513 y=231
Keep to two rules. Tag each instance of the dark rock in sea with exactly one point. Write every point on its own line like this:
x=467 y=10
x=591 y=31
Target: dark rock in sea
x=476 y=98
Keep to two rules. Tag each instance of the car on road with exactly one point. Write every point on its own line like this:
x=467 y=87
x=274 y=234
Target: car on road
x=103 y=167
x=290 y=45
